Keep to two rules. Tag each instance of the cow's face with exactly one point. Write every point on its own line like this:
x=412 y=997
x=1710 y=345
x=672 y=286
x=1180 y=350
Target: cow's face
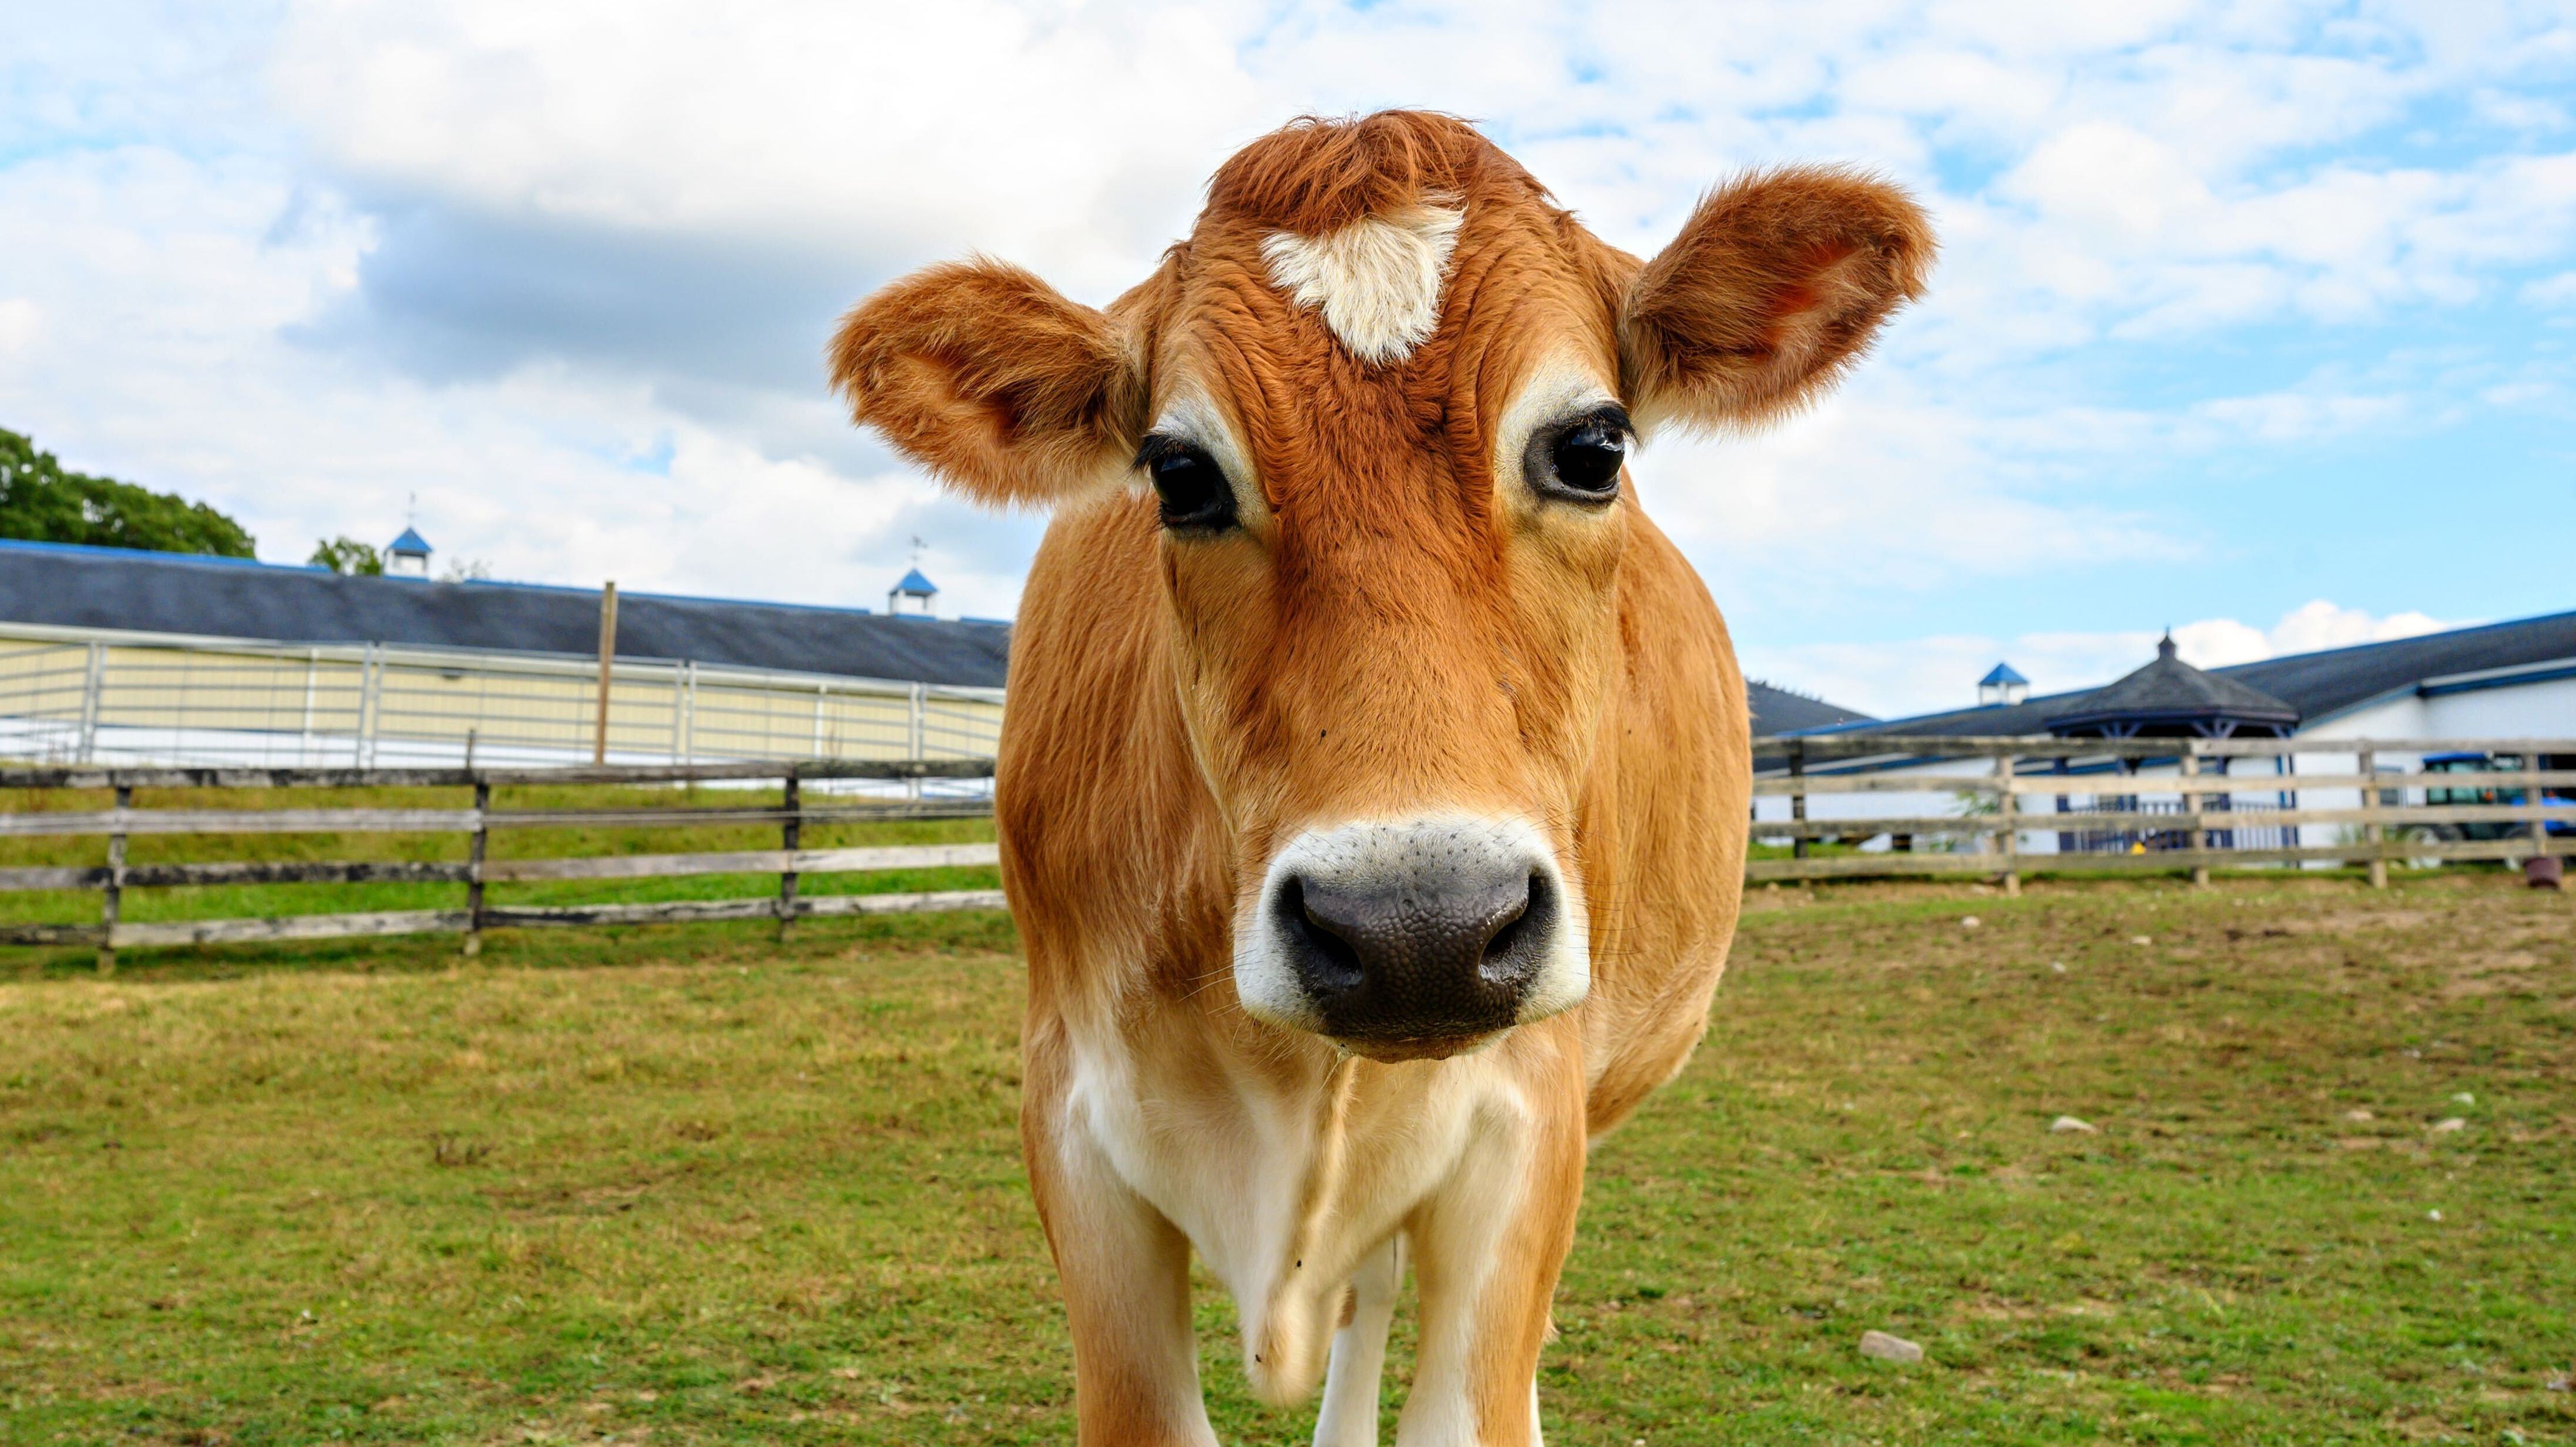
x=1379 y=407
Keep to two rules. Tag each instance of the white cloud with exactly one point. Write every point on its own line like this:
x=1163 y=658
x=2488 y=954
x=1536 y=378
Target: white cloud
x=2552 y=291
x=234 y=275
x=1073 y=140
x=22 y=323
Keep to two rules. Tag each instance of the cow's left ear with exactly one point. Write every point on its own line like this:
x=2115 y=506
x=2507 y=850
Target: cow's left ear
x=1777 y=284
x=995 y=382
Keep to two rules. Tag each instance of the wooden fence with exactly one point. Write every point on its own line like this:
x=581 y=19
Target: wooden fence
x=2384 y=823
x=790 y=861
x=1986 y=839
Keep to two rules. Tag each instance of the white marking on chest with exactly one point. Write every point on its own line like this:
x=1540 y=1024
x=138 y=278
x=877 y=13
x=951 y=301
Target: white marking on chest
x=1376 y=281
x=1235 y=1162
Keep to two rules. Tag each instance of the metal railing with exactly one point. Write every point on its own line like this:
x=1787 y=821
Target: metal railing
x=76 y=696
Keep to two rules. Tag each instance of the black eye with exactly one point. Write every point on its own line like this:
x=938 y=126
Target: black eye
x=1196 y=497
x=1581 y=462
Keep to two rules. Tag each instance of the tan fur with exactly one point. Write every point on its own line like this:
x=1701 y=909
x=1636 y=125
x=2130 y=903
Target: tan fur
x=1719 y=330
x=1399 y=625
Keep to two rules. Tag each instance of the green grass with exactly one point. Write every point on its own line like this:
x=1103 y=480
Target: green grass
x=684 y=1185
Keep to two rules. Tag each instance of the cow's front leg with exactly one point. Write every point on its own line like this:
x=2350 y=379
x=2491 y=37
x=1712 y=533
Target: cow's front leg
x=1486 y=1249
x=1126 y=1282
x=1349 y=1414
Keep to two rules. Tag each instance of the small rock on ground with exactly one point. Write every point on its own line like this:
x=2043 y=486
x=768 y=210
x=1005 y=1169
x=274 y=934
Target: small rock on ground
x=2069 y=1125
x=1888 y=1348
x=2445 y=1127
x=1968 y=921
x=2359 y=1116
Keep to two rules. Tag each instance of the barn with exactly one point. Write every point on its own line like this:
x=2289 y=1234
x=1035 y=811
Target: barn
x=2443 y=692
x=115 y=655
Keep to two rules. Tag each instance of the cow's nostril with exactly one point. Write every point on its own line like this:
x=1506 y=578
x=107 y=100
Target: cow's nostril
x=1334 y=960
x=1511 y=924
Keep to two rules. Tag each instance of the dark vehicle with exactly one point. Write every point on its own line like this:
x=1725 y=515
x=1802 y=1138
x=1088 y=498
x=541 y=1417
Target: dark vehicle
x=2473 y=771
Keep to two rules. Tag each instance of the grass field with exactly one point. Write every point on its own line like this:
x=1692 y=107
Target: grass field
x=683 y=1185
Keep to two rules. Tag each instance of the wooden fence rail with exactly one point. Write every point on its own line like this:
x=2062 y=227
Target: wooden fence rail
x=790 y=862
x=2386 y=823
x=2380 y=828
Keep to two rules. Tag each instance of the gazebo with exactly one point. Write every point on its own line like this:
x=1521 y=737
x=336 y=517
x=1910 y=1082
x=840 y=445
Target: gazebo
x=2170 y=699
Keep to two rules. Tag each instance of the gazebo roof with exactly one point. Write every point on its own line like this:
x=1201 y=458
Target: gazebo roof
x=2170 y=695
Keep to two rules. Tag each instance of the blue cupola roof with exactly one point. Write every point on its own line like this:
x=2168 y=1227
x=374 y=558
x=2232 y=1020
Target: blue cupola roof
x=916 y=586
x=409 y=545
x=2000 y=675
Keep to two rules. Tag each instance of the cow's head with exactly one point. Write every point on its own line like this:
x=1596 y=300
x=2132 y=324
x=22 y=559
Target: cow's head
x=1379 y=405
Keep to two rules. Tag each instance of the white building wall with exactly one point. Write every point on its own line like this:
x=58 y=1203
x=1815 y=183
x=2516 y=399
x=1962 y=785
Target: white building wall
x=2542 y=710
x=2524 y=711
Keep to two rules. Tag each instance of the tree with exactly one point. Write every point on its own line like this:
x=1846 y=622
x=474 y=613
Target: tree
x=41 y=502
x=346 y=555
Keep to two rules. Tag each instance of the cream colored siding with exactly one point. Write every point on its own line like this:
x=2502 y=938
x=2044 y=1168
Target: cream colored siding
x=71 y=695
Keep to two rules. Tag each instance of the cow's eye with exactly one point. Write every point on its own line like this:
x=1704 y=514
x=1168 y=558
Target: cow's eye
x=1195 y=495
x=1581 y=462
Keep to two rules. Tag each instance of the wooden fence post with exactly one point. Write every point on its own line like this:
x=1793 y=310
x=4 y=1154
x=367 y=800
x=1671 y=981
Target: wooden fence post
x=2191 y=801
x=2008 y=820
x=607 y=667
x=1798 y=798
x=112 y=903
x=2534 y=800
x=2366 y=764
x=790 y=836
x=474 y=869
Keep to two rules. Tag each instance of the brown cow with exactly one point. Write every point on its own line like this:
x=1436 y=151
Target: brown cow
x=1373 y=787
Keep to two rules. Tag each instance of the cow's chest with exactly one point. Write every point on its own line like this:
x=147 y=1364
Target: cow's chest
x=1283 y=1179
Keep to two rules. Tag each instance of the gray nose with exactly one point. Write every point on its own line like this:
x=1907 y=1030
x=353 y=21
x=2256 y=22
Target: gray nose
x=1417 y=959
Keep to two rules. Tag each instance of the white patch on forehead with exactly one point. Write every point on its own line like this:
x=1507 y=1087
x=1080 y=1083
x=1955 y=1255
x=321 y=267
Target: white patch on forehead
x=1376 y=281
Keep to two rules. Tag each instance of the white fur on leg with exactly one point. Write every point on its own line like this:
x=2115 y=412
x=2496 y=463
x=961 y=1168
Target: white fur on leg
x=1349 y=1415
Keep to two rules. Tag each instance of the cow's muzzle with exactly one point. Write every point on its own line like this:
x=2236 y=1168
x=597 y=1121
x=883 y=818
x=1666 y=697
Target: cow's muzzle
x=1412 y=938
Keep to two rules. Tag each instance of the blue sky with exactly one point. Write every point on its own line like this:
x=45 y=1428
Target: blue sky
x=2253 y=319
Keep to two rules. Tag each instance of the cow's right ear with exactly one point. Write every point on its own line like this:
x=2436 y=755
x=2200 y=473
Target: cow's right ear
x=1771 y=292
x=986 y=376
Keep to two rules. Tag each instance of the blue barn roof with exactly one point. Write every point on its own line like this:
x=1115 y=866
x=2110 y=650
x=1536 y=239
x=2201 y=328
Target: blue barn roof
x=1779 y=711
x=83 y=587
x=916 y=586
x=410 y=545
x=2313 y=686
